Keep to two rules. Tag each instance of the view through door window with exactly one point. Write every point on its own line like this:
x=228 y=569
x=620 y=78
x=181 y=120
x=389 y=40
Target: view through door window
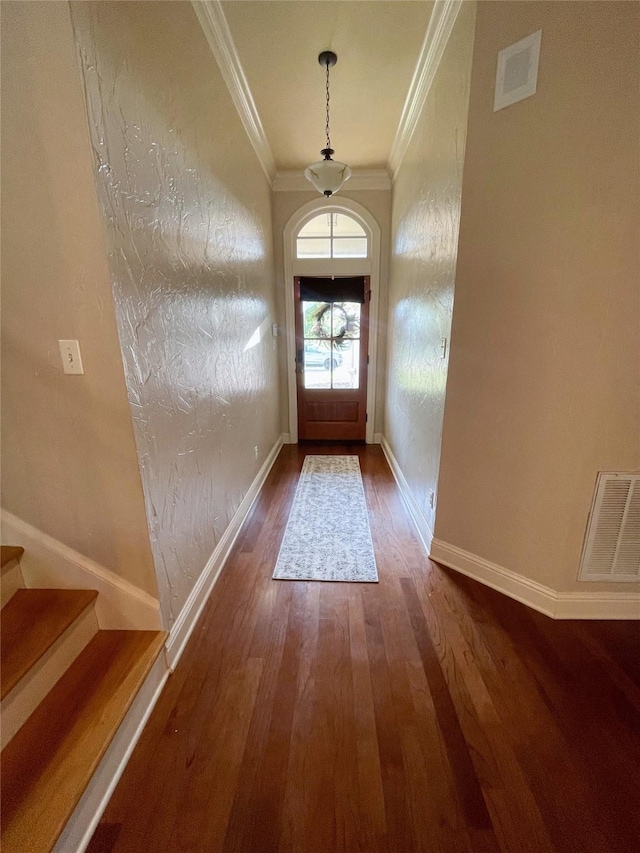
x=331 y=344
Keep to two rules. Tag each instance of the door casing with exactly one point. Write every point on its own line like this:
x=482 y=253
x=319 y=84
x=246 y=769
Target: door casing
x=320 y=267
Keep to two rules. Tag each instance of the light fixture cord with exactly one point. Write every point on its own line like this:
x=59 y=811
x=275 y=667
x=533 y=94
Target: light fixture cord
x=327 y=124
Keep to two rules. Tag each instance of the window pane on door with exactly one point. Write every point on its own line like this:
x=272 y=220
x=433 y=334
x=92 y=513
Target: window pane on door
x=317 y=364
x=317 y=319
x=346 y=355
x=346 y=320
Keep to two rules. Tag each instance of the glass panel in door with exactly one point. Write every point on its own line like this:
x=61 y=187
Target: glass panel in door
x=331 y=344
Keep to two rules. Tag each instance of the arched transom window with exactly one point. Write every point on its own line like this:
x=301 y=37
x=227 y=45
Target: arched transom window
x=332 y=235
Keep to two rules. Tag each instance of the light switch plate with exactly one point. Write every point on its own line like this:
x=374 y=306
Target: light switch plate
x=71 y=358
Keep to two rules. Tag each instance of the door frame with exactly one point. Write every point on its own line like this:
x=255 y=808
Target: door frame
x=335 y=395
x=293 y=267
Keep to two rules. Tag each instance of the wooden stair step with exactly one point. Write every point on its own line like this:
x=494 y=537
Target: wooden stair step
x=9 y=553
x=11 y=580
x=32 y=621
x=50 y=761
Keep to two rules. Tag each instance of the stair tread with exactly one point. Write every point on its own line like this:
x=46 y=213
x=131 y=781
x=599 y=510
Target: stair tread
x=49 y=762
x=9 y=553
x=32 y=621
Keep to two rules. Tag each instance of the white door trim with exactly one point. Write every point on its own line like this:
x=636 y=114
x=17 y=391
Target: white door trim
x=366 y=266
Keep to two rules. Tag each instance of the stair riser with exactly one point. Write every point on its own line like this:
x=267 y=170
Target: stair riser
x=11 y=582
x=25 y=697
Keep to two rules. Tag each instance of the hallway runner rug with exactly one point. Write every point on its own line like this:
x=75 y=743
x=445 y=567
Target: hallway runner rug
x=328 y=537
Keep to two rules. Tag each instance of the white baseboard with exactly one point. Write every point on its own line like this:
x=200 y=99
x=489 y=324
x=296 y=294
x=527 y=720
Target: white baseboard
x=422 y=526
x=80 y=828
x=598 y=605
x=557 y=605
x=286 y=438
x=377 y=438
x=48 y=563
x=186 y=621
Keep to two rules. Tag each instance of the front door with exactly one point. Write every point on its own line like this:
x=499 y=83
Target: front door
x=331 y=357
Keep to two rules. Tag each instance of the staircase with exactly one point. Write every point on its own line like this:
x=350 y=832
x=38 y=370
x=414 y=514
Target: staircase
x=66 y=687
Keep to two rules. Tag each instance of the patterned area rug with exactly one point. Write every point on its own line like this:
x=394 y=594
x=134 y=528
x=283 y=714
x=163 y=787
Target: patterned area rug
x=328 y=537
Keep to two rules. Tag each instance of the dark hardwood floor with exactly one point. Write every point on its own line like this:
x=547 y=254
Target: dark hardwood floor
x=423 y=713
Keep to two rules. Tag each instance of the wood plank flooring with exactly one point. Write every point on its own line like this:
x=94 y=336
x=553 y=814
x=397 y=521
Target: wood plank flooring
x=423 y=713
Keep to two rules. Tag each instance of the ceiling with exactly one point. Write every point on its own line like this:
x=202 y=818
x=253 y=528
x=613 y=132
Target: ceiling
x=378 y=44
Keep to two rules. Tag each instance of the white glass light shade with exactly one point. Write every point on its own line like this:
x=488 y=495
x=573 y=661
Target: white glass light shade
x=327 y=176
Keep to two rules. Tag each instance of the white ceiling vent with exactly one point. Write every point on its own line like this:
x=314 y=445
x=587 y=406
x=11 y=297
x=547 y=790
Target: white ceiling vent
x=612 y=546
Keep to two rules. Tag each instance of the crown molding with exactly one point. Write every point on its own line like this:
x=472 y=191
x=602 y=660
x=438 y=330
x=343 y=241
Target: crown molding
x=218 y=35
x=217 y=32
x=361 y=179
x=440 y=26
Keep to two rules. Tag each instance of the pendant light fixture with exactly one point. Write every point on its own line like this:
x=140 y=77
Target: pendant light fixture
x=327 y=175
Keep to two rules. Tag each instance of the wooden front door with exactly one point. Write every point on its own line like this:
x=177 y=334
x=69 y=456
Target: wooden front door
x=331 y=357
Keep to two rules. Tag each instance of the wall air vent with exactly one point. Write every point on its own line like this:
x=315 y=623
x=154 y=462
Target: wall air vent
x=612 y=546
x=517 y=71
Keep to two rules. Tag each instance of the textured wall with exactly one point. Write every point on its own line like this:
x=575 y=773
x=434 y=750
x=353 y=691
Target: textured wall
x=188 y=223
x=544 y=374
x=378 y=203
x=425 y=220
x=69 y=463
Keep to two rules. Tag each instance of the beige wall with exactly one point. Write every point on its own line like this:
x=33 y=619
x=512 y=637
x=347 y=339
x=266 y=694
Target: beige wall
x=69 y=464
x=188 y=224
x=378 y=203
x=425 y=220
x=543 y=379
